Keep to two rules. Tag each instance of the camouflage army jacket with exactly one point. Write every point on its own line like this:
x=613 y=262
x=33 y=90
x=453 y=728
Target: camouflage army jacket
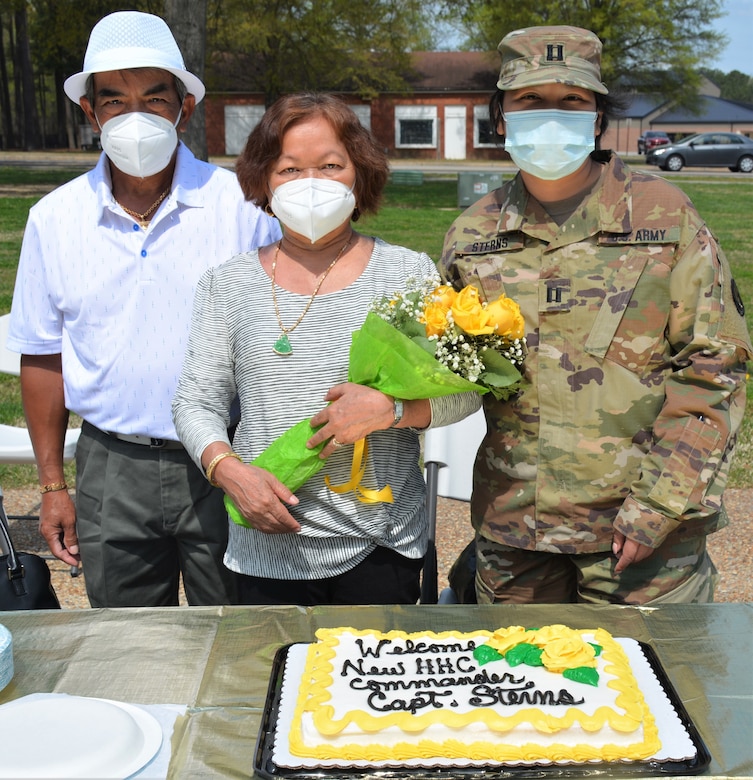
x=636 y=370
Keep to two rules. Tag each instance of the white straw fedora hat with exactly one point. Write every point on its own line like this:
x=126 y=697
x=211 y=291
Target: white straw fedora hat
x=131 y=39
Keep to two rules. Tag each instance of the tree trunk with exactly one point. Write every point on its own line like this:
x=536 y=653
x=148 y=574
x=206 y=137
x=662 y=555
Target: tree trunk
x=6 y=130
x=61 y=120
x=188 y=21
x=30 y=118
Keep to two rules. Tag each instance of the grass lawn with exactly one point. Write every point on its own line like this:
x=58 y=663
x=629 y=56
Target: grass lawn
x=418 y=217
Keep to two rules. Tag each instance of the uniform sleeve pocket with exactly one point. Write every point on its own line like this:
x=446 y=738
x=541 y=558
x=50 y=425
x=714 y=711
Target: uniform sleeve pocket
x=688 y=470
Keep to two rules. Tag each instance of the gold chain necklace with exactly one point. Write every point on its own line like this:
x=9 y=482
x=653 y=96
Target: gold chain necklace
x=282 y=346
x=142 y=218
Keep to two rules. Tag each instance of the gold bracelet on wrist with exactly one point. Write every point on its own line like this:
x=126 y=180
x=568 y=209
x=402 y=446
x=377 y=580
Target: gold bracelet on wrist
x=53 y=487
x=209 y=471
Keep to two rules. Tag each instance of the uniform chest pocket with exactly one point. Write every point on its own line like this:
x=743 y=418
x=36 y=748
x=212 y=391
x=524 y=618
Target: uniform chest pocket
x=630 y=324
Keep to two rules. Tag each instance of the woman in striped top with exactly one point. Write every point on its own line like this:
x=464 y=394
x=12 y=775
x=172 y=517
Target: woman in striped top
x=273 y=327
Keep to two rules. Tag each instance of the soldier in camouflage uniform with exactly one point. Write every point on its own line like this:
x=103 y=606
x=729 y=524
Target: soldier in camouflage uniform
x=601 y=479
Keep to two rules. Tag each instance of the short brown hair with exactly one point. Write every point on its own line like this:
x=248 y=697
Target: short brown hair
x=264 y=146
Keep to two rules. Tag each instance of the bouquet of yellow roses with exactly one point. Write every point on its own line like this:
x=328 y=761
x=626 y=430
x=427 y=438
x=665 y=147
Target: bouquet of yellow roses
x=481 y=342
x=425 y=341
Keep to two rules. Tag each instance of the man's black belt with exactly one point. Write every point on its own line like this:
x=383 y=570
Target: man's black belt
x=143 y=441
x=146 y=441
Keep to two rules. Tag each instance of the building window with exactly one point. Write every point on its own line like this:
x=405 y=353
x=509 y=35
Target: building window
x=416 y=127
x=483 y=133
x=416 y=132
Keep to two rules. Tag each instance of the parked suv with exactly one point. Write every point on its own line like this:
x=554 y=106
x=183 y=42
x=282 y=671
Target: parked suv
x=651 y=139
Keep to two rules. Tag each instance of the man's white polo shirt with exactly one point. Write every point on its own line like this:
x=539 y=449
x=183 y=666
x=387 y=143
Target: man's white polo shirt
x=116 y=300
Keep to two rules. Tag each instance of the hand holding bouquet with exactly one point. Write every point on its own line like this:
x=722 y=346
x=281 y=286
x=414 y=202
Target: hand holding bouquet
x=425 y=341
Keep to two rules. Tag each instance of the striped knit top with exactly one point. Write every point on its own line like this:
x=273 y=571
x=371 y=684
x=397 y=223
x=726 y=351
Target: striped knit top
x=233 y=330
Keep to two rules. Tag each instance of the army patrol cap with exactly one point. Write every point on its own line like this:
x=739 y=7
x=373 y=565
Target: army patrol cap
x=546 y=55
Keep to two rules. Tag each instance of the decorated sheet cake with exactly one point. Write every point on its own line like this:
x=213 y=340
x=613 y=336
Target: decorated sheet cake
x=548 y=696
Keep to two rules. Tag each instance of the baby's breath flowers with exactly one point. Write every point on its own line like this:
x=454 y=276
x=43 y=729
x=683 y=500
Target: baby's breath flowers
x=405 y=308
x=480 y=341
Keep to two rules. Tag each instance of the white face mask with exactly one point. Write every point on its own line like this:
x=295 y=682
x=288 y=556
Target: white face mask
x=139 y=144
x=313 y=207
x=549 y=144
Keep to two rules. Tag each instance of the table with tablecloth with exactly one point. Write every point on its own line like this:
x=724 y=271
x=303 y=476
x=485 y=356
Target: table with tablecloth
x=217 y=661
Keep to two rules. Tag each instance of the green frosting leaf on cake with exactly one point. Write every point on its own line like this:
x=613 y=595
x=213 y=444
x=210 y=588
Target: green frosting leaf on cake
x=582 y=674
x=530 y=655
x=485 y=654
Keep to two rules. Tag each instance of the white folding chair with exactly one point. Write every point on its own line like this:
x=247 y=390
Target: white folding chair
x=449 y=455
x=10 y=362
x=15 y=444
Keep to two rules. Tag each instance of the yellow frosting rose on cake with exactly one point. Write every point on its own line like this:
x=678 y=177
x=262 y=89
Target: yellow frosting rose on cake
x=550 y=633
x=564 y=648
x=505 y=639
x=568 y=653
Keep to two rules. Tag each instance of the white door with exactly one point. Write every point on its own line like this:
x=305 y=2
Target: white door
x=239 y=122
x=454 y=132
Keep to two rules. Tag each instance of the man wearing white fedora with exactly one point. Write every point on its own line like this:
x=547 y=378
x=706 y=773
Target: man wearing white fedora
x=101 y=314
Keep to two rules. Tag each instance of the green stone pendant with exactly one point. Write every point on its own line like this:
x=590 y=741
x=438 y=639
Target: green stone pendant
x=282 y=346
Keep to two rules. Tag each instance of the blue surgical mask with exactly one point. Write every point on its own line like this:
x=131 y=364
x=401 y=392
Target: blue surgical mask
x=549 y=144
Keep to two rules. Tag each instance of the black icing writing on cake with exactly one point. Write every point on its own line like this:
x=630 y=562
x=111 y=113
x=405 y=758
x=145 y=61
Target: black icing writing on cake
x=365 y=680
x=379 y=701
x=426 y=667
x=410 y=647
x=488 y=696
x=417 y=683
x=358 y=667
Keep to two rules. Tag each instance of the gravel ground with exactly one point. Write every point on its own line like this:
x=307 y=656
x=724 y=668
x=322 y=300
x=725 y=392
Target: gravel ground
x=730 y=548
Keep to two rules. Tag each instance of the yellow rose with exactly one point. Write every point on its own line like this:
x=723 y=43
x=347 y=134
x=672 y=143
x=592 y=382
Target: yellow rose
x=555 y=631
x=469 y=314
x=435 y=319
x=505 y=314
x=504 y=639
x=444 y=296
x=569 y=653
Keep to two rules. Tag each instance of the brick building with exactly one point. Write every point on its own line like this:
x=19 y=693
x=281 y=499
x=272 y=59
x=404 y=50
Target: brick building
x=445 y=115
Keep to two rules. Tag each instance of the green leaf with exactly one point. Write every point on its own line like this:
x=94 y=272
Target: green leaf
x=484 y=654
x=582 y=674
x=530 y=655
x=499 y=370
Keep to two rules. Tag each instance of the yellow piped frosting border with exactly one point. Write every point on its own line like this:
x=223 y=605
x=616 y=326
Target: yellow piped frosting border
x=314 y=695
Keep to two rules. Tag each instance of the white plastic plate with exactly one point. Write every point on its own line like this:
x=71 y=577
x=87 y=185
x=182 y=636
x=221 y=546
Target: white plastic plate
x=75 y=736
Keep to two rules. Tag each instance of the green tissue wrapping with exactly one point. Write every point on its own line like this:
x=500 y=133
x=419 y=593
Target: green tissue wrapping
x=289 y=460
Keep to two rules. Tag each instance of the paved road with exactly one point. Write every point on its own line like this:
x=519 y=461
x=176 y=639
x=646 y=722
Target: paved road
x=85 y=160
